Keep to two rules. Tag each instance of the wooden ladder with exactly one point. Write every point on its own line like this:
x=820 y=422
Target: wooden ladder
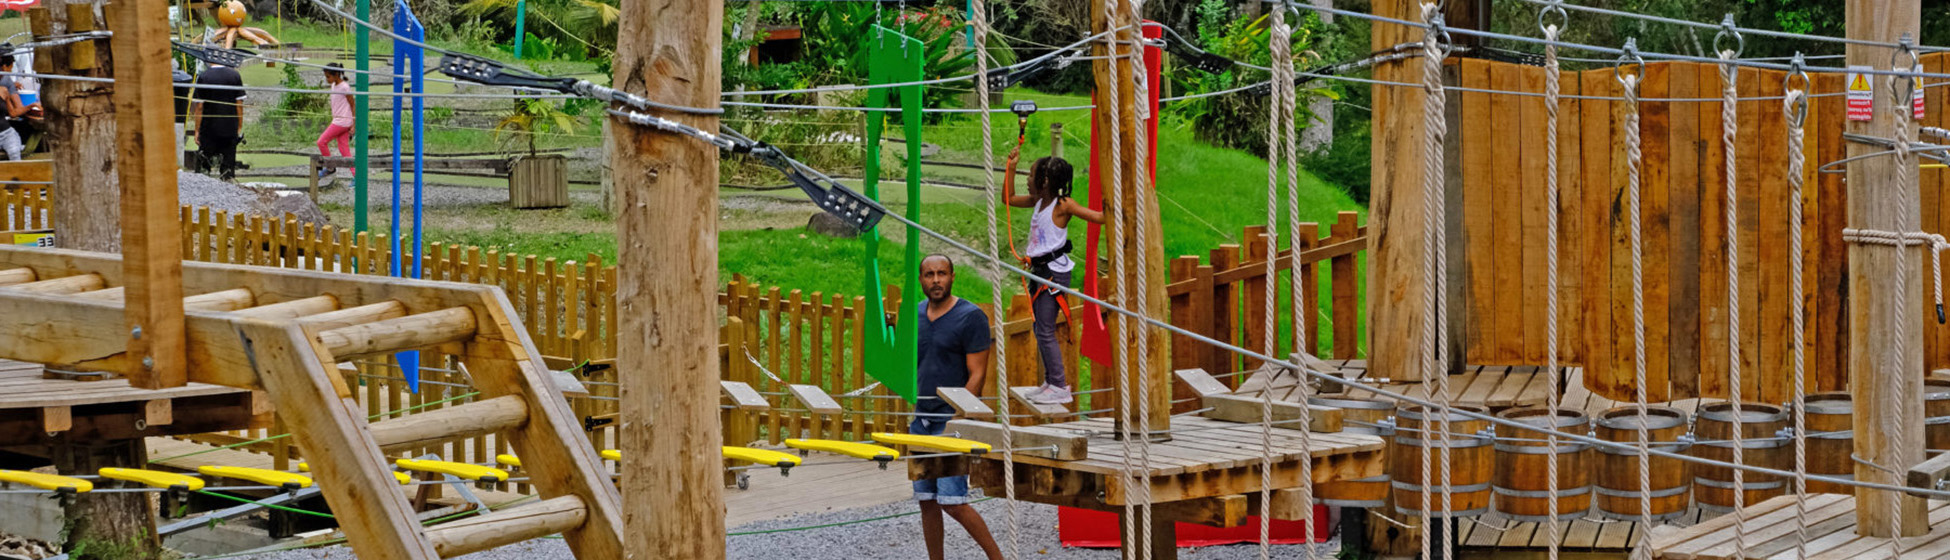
x=285 y=332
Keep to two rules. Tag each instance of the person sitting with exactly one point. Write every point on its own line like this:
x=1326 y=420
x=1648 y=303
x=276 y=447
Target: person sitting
x=16 y=110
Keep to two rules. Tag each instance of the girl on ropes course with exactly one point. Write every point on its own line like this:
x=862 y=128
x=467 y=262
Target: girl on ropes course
x=1048 y=258
x=340 y=129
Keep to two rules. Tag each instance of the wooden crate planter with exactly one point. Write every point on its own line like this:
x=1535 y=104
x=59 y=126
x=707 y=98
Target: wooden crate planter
x=540 y=181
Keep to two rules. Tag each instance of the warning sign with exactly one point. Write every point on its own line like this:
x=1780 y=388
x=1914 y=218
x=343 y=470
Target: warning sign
x=1861 y=95
x=1916 y=98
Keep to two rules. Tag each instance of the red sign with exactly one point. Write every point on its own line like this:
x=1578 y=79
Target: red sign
x=1861 y=95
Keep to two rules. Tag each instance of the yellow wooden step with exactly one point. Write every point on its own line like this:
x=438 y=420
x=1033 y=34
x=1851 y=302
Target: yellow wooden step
x=462 y=470
x=612 y=454
x=508 y=460
x=944 y=443
x=268 y=477
x=847 y=448
x=53 y=482
x=761 y=456
x=154 y=479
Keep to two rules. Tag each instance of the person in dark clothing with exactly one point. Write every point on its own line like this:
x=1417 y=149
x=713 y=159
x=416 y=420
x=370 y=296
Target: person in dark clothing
x=954 y=352
x=219 y=115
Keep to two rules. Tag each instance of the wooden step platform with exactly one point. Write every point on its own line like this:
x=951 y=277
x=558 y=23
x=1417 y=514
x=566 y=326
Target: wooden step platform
x=1770 y=532
x=1495 y=387
x=33 y=407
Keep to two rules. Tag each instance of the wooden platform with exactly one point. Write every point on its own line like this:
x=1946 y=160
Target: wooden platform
x=33 y=409
x=1770 y=533
x=1496 y=387
x=1211 y=458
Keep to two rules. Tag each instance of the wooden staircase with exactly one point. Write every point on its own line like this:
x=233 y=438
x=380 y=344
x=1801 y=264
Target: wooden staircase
x=284 y=332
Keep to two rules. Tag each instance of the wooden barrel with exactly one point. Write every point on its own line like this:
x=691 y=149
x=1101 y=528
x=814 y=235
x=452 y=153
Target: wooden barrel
x=1615 y=472
x=1761 y=446
x=1522 y=471
x=1469 y=461
x=1828 y=418
x=1360 y=417
x=1936 y=410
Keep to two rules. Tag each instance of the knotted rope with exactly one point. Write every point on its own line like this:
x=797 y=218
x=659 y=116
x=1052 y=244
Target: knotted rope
x=1551 y=92
x=1275 y=137
x=1629 y=83
x=1795 y=107
x=1116 y=190
x=1435 y=324
x=1141 y=185
x=978 y=10
x=1900 y=209
x=1730 y=95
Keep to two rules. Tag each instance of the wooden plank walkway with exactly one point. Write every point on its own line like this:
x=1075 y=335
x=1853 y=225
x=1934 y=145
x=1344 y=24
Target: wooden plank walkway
x=1770 y=532
x=1496 y=387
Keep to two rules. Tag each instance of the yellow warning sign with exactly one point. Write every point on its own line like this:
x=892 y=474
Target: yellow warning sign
x=1860 y=83
x=1861 y=94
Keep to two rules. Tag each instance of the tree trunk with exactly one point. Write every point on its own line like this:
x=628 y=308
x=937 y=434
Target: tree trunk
x=81 y=134
x=107 y=526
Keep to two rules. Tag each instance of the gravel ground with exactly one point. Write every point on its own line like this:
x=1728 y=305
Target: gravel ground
x=379 y=195
x=894 y=538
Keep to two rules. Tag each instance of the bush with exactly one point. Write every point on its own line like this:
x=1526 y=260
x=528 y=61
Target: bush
x=1237 y=120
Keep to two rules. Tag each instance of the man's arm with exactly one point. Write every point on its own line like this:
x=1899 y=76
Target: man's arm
x=978 y=370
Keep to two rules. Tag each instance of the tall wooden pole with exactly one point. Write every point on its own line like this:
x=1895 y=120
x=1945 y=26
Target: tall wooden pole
x=1893 y=383
x=1397 y=287
x=673 y=490
x=1132 y=167
x=146 y=165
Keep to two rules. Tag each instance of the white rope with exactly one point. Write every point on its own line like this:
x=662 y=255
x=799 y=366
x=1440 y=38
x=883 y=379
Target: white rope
x=1795 y=108
x=1275 y=135
x=1898 y=361
x=1115 y=191
x=978 y=11
x=1551 y=77
x=1291 y=123
x=1630 y=84
x=1729 y=88
x=1141 y=186
x=1435 y=324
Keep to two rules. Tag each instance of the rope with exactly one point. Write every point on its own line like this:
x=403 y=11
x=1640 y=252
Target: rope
x=1551 y=77
x=1796 y=107
x=1935 y=242
x=1629 y=83
x=1292 y=158
x=978 y=11
x=1125 y=321
x=1435 y=324
x=1729 y=88
x=1282 y=46
x=1141 y=186
x=1899 y=207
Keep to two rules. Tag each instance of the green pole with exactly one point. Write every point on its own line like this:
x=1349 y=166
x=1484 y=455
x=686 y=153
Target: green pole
x=521 y=19
x=360 y=82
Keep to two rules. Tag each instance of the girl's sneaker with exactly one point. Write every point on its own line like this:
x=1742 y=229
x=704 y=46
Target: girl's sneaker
x=1052 y=395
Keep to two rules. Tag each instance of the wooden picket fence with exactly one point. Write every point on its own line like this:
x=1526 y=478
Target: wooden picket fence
x=23 y=207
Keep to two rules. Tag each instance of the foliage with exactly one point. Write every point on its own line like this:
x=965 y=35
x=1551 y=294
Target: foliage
x=534 y=117
x=1237 y=120
x=555 y=29
x=839 y=39
x=1345 y=162
x=299 y=104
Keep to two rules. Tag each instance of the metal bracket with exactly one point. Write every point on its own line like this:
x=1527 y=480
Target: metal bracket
x=484 y=71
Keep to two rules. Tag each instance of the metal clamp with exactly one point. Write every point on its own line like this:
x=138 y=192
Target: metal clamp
x=1628 y=58
x=1797 y=111
x=1904 y=91
x=1729 y=29
x=1556 y=7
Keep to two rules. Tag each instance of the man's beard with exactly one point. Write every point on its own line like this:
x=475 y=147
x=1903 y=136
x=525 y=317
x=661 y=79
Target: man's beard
x=947 y=291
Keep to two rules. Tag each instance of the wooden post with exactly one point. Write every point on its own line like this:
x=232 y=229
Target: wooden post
x=97 y=520
x=1872 y=275
x=146 y=168
x=1397 y=300
x=81 y=126
x=1124 y=45
x=667 y=283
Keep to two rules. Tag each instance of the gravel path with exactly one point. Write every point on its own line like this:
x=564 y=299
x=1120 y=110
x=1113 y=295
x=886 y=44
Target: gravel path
x=893 y=538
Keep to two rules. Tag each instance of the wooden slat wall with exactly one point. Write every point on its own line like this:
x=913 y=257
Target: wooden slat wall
x=1682 y=206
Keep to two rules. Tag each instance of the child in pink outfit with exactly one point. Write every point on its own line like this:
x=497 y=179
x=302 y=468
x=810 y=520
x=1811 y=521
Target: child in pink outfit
x=341 y=128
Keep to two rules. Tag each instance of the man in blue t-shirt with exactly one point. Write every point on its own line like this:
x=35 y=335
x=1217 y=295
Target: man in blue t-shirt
x=954 y=353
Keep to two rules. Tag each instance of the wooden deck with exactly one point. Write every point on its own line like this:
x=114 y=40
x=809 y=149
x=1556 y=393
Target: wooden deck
x=1495 y=387
x=1770 y=532
x=33 y=408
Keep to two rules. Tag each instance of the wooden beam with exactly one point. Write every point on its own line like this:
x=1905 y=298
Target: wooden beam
x=12 y=276
x=1245 y=409
x=1927 y=474
x=145 y=164
x=743 y=396
x=1201 y=382
x=477 y=418
x=667 y=280
x=814 y=399
x=65 y=285
x=292 y=308
x=1114 y=73
x=27 y=171
x=508 y=526
x=1880 y=289
x=56 y=419
x=368 y=313
x=966 y=403
x=432 y=328
x=1070 y=445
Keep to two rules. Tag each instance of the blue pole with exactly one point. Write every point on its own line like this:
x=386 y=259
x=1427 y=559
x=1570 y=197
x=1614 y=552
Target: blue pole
x=521 y=27
x=407 y=56
x=419 y=61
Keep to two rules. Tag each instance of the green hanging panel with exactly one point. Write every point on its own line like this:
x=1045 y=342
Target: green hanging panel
x=893 y=352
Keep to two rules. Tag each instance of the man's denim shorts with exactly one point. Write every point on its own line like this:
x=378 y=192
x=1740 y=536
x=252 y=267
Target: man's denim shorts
x=948 y=491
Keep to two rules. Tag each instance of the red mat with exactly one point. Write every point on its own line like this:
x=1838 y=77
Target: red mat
x=1096 y=529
